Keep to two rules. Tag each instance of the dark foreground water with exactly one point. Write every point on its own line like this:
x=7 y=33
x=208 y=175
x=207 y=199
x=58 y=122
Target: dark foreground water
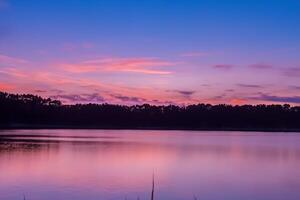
x=98 y=164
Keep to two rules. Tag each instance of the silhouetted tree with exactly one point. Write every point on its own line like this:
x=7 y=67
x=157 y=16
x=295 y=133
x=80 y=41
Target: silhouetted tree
x=29 y=111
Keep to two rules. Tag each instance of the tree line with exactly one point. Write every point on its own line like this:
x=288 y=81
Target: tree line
x=28 y=110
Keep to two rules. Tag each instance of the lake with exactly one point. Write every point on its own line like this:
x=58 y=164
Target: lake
x=119 y=164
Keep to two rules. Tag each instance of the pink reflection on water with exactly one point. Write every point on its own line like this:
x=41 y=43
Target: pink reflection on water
x=113 y=164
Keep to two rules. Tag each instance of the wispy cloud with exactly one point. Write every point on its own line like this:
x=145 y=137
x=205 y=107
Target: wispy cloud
x=294 y=87
x=249 y=85
x=14 y=72
x=274 y=98
x=116 y=96
x=79 y=98
x=229 y=90
x=261 y=66
x=292 y=72
x=223 y=66
x=8 y=61
x=40 y=91
x=186 y=94
x=128 y=99
x=134 y=65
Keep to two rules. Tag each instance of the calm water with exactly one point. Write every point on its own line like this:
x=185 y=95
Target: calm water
x=97 y=164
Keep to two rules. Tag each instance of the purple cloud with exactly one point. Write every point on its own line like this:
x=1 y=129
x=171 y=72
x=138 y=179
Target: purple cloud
x=295 y=87
x=292 y=72
x=186 y=92
x=155 y=101
x=128 y=98
x=249 y=85
x=230 y=90
x=205 y=85
x=57 y=91
x=77 y=98
x=261 y=66
x=281 y=99
x=40 y=91
x=223 y=66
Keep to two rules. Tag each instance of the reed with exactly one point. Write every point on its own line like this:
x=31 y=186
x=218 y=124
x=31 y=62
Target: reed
x=152 y=192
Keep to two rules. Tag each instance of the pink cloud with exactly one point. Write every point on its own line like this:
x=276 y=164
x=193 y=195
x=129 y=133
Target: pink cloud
x=11 y=61
x=11 y=71
x=136 y=65
x=73 y=88
x=79 y=68
x=79 y=89
x=238 y=101
x=6 y=87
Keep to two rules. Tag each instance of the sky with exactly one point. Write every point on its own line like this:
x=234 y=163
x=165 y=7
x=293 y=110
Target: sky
x=152 y=51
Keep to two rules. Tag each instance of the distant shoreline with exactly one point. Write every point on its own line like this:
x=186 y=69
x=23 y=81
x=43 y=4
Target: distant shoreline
x=33 y=112
x=42 y=127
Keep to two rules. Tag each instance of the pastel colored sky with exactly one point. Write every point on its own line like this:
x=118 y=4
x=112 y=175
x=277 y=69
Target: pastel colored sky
x=152 y=51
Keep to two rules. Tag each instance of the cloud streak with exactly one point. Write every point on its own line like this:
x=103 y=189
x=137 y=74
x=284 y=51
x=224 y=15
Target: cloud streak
x=223 y=66
x=79 y=82
x=14 y=72
x=292 y=72
x=261 y=66
x=281 y=99
x=133 y=65
x=7 y=61
x=249 y=85
x=129 y=99
x=79 y=98
x=294 y=87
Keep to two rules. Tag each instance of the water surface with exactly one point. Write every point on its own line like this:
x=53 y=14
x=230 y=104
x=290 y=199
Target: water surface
x=118 y=164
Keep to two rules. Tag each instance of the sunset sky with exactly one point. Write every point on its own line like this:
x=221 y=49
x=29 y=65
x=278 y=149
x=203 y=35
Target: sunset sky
x=152 y=51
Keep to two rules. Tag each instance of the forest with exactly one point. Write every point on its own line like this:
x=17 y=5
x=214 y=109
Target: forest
x=30 y=111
